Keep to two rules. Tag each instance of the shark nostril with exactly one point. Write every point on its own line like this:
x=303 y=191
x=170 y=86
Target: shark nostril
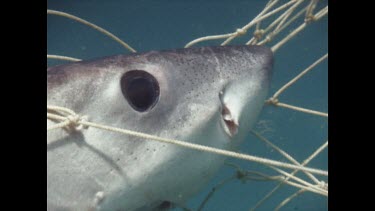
x=230 y=123
x=231 y=126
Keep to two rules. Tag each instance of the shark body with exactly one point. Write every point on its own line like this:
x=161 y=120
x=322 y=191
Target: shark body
x=207 y=95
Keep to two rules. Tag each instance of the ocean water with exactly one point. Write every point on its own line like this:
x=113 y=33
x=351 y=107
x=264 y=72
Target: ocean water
x=154 y=25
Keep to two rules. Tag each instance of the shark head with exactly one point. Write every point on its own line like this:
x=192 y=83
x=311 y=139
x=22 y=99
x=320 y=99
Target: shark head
x=207 y=95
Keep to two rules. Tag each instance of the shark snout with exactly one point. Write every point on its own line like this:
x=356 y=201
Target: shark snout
x=242 y=98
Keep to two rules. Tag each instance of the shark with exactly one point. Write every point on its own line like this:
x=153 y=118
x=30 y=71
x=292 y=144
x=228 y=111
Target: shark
x=208 y=95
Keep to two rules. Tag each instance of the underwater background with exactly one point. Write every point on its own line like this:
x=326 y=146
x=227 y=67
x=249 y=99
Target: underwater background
x=164 y=24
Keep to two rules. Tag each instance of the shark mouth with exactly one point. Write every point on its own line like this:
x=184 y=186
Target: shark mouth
x=230 y=124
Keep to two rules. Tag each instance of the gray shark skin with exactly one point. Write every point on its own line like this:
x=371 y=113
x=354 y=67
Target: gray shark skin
x=207 y=95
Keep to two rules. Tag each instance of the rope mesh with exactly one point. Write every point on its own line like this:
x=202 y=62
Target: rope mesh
x=287 y=14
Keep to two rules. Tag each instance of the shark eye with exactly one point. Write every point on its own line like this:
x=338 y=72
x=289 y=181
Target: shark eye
x=140 y=89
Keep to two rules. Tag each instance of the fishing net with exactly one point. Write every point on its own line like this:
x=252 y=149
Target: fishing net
x=290 y=138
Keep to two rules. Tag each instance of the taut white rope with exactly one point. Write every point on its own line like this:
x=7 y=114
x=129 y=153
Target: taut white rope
x=176 y=142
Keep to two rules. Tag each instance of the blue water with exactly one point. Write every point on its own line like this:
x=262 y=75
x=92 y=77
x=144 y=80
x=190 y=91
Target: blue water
x=152 y=25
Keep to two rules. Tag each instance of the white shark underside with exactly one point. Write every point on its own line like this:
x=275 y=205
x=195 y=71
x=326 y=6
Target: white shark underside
x=208 y=95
